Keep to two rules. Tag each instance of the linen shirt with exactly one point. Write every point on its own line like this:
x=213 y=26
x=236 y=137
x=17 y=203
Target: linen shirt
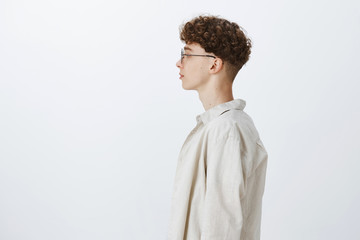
x=220 y=178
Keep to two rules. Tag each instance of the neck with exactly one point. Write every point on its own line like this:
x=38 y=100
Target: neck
x=215 y=93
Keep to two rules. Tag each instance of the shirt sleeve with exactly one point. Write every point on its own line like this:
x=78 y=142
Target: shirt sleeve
x=222 y=216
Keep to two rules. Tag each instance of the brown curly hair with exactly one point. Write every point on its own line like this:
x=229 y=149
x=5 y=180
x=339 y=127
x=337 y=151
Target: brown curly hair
x=219 y=36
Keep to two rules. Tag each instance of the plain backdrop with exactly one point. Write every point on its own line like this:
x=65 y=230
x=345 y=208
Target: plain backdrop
x=93 y=115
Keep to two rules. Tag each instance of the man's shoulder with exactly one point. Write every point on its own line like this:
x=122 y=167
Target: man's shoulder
x=233 y=124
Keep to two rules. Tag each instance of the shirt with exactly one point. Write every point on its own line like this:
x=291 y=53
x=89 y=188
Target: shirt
x=220 y=178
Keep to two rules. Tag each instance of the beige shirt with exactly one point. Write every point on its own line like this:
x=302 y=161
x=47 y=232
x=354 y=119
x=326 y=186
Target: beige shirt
x=220 y=178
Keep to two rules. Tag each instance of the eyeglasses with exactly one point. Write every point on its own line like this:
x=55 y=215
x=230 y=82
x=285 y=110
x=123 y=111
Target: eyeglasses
x=195 y=55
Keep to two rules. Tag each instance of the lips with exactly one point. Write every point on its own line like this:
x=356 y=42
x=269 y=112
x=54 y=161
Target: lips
x=181 y=75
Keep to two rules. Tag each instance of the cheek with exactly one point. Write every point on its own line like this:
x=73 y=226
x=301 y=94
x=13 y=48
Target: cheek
x=195 y=74
x=202 y=73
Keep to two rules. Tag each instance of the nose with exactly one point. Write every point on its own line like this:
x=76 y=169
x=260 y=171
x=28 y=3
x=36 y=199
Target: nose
x=178 y=64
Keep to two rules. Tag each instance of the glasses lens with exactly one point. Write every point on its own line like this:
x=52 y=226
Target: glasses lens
x=182 y=55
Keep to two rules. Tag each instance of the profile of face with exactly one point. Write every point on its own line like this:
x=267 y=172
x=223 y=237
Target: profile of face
x=195 y=65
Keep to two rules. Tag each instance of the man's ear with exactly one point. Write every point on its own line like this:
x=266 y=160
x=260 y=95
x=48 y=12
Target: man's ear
x=218 y=64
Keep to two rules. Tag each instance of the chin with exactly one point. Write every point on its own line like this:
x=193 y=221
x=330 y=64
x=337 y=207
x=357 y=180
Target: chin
x=185 y=87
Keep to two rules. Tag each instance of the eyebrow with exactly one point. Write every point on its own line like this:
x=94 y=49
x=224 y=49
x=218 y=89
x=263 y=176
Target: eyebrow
x=187 y=48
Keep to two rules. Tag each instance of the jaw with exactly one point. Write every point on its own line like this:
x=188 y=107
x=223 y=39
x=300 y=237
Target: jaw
x=189 y=84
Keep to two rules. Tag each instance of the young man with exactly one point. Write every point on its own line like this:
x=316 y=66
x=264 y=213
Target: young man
x=221 y=169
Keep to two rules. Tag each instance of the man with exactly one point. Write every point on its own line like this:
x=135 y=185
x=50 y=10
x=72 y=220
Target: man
x=221 y=169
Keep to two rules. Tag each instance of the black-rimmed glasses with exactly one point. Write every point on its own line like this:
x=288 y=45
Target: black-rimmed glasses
x=195 y=55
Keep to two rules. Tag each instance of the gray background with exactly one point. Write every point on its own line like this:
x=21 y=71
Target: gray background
x=92 y=115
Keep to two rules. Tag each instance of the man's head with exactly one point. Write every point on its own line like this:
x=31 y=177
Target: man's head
x=222 y=38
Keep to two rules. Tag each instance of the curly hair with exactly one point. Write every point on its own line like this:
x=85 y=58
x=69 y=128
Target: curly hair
x=218 y=36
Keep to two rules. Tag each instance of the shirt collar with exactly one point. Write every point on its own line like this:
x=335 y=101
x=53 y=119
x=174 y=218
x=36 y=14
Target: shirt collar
x=216 y=111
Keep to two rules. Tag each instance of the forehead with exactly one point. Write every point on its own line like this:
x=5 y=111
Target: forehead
x=194 y=47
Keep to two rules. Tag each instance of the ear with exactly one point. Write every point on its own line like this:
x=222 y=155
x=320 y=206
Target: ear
x=218 y=64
